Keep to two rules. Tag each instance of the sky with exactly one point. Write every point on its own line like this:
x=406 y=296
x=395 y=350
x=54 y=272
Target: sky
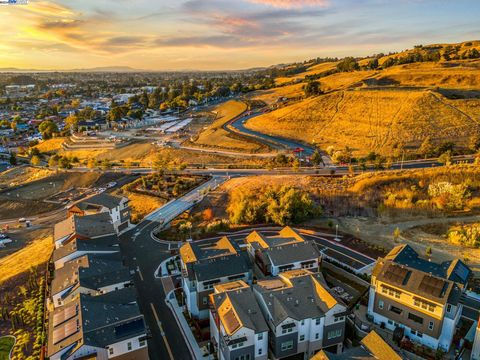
x=222 y=34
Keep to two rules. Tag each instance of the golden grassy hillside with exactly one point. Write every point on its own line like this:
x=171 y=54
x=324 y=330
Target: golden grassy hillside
x=313 y=70
x=464 y=75
x=272 y=95
x=216 y=137
x=372 y=120
x=34 y=254
x=50 y=145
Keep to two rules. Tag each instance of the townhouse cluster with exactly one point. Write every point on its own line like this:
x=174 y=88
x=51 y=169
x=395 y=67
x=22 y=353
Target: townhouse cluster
x=265 y=298
x=289 y=310
x=93 y=304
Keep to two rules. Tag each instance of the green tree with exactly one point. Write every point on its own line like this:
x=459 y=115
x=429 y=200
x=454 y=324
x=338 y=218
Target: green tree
x=426 y=148
x=312 y=88
x=35 y=160
x=445 y=158
x=13 y=159
x=47 y=128
x=316 y=158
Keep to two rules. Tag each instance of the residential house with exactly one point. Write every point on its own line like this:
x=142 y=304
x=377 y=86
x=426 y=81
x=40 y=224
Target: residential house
x=92 y=274
x=108 y=326
x=302 y=315
x=237 y=327
x=286 y=251
x=373 y=347
x=79 y=247
x=476 y=343
x=205 y=264
x=94 y=226
x=117 y=207
x=419 y=296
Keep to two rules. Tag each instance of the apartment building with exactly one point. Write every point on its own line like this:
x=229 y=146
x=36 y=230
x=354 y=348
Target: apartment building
x=108 y=326
x=302 y=315
x=419 y=296
x=237 y=327
x=92 y=274
x=286 y=251
x=372 y=347
x=83 y=227
x=206 y=264
x=117 y=207
x=78 y=247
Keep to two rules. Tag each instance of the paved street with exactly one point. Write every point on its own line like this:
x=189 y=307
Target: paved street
x=143 y=254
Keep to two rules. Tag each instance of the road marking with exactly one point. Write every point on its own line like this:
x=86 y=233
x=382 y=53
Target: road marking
x=159 y=324
x=140 y=273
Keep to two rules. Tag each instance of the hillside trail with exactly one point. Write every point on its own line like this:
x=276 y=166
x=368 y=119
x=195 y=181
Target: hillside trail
x=442 y=101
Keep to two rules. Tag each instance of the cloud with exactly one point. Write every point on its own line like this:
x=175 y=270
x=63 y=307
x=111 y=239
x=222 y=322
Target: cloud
x=291 y=4
x=60 y=24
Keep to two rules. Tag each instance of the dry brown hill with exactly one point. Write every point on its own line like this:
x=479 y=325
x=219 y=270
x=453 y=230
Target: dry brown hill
x=374 y=120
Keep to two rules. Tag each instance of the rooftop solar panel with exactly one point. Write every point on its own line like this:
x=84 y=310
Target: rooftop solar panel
x=64 y=315
x=130 y=328
x=432 y=286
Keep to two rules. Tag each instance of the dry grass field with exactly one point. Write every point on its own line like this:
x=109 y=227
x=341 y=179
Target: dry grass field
x=313 y=70
x=50 y=145
x=272 y=95
x=373 y=120
x=214 y=136
x=34 y=254
x=21 y=175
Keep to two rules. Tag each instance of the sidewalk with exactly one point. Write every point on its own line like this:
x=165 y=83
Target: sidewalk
x=177 y=311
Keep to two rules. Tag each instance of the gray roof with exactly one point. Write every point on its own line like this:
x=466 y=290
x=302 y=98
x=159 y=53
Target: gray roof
x=287 y=254
x=91 y=271
x=456 y=270
x=96 y=321
x=300 y=301
x=246 y=306
x=88 y=226
x=102 y=199
x=219 y=267
x=104 y=244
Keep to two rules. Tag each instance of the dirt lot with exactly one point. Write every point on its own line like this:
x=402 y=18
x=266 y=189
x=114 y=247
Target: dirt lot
x=28 y=199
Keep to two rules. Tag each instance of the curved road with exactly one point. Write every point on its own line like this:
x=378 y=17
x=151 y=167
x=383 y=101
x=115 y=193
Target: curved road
x=276 y=142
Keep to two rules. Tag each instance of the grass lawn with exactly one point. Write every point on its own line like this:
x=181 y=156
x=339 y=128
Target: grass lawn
x=50 y=145
x=6 y=344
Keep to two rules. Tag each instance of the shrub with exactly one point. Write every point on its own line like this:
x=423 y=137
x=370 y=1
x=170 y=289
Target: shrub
x=447 y=195
x=466 y=235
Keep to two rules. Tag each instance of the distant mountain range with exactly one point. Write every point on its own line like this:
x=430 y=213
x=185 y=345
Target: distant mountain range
x=95 y=69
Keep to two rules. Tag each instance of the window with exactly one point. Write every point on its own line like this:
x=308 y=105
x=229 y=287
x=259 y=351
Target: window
x=396 y=310
x=380 y=304
x=424 y=304
x=110 y=351
x=390 y=322
x=390 y=291
x=334 y=334
x=317 y=321
x=302 y=338
x=413 y=332
x=205 y=300
x=285 y=331
x=317 y=335
x=415 y=318
x=142 y=343
x=129 y=346
x=302 y=322
x=449 y=307
x=260 y=336
x=430 y=325
x=287 y=345
x=260 y=351
x=419 y=334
